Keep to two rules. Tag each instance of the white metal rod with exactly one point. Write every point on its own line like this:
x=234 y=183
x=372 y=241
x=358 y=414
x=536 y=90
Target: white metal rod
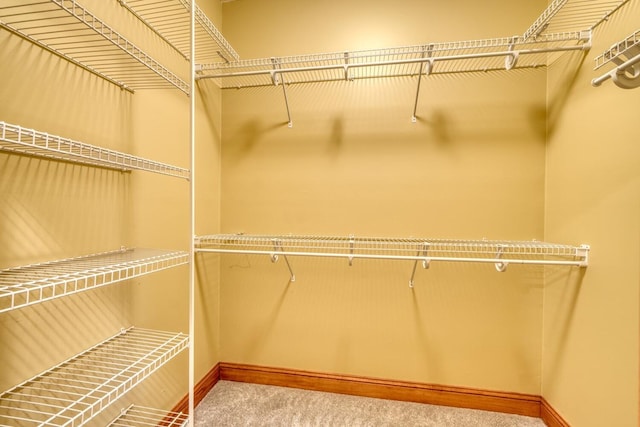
x=394 y=62
x=618 y=70
x=398 y=257
x=192 y=208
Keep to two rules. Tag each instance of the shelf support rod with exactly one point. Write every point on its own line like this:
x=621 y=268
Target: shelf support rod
x=425 y=261
x=277 y=246
x=625 y=75
x=426 y=52
x=276 y=76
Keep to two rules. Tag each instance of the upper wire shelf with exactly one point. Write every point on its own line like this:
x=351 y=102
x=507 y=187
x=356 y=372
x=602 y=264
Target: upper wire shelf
x=625 y=54
x=139 y=416
x=498 y=252
x=32 y=284
x=67 y=29
x=171 y=20
x=428 y=59
x=17 y=139
x=572 y=15
x=75 y=391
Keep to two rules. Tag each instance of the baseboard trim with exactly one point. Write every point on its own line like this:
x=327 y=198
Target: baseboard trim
x=550 y=416
x=200 y=390
x=461 y=397
x=512 y=403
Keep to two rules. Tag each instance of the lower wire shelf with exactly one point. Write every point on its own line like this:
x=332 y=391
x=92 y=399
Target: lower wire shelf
x=31 y=284
x=75 y=391
x=501 y=253
x=140 y=416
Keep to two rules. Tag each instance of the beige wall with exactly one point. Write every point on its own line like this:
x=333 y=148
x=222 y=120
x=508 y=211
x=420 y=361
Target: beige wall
x=353 y=163
x=591 y=336
x=51 y=210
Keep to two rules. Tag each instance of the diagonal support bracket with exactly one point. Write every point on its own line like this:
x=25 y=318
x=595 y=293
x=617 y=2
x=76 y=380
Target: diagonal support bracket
x=278 y=79
x=425 y=68
x=277 y=247
x=425 y=262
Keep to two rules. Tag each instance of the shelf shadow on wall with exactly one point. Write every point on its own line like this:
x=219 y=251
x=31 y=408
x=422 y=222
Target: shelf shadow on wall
x=564 y=313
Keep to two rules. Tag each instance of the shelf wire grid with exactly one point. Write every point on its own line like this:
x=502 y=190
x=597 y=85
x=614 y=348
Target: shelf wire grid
x=70 y=31
x=32 y=284
x=417 y=249
x=620 y=51
x=20 y=140
x=75 y=391
x=139 y=416
x=440 y=58
x=171 y=20
x=572 y=15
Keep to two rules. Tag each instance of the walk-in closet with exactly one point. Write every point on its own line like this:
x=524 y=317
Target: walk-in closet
x=426 y=202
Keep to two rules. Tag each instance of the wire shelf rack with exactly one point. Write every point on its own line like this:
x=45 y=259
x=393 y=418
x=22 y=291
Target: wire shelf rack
x=32 y=284
x=20 y=140
x=139 y=416
x=171 y=20
x=501 y=253
x=67 y=29
x=625 y=54
x=572 y=15
x=429 y=59
x=76 y=390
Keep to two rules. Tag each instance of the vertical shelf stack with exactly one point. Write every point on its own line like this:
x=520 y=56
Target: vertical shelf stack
x=78 y=389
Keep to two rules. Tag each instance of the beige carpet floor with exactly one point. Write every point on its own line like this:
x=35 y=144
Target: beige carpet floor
x=241 y=404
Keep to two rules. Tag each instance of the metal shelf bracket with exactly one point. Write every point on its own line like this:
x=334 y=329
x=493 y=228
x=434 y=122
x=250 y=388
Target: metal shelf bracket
x=277 y=247
x=626 y=55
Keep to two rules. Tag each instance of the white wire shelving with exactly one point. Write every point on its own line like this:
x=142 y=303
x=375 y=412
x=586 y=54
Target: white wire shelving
x=566 y=25
x=78 y=389
x=32 y=284
x=140 y=416
x=20 y=140
x=425 y=251
x=170 y=19
x=625 y=54
x=67 y=29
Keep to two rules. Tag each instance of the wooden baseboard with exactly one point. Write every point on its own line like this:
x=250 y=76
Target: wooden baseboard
x=549 y=415
x=512 y=403
x=461 y=397
x=200 y=390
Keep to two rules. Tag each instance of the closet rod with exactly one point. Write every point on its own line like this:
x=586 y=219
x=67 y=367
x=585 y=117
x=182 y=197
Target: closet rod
x=578 y=263
x=625 y=75
x=510 y=54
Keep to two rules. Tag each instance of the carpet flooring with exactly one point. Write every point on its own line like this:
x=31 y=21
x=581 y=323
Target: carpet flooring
x=241 y=404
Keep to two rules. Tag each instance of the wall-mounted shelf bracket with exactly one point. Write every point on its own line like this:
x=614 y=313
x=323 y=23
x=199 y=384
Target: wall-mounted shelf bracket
x=278 y=79
x=277 y=248
x=425 y=261
x=423 y=68
x=626 y=55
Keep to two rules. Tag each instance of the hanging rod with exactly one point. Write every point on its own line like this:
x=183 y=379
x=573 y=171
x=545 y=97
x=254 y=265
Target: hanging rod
x=499 y=253
x=68 y=30
x=626 y=55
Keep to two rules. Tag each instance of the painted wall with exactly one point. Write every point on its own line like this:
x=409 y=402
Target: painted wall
x=52 y=210
x=590 y=356
x=353 y=163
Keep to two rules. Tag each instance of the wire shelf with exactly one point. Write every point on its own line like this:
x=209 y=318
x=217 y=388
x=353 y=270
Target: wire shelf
x=171 y=20
x=20 y=140
x=572 y=15
x=392 y=248
x=70 y=31
x=435 y=58
x=501 y=253
x=75 y=391
x=32 y=284
x=625 y=54
x=139 y=416
x=620 y=51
